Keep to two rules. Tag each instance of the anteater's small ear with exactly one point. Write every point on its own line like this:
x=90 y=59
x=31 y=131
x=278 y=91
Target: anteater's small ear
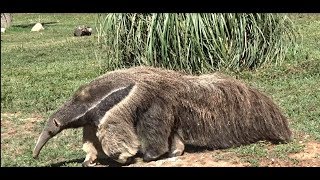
x=83 y=93
x=108 y=101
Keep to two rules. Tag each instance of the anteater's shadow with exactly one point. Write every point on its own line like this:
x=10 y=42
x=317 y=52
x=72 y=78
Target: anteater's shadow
x=111 y=163
x=64 y=163
x=101 y=163
x=195 y=149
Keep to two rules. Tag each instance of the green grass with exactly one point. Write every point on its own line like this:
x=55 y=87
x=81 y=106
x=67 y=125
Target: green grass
x=39 y=71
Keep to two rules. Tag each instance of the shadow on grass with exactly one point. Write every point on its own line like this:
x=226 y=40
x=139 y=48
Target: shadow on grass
x=64 y=163
x=196 y=149
x=32 y=24
x=111 y=163
x=101 y=163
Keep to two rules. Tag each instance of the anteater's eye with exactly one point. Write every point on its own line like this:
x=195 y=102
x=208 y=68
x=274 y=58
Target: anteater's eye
x=56 y=123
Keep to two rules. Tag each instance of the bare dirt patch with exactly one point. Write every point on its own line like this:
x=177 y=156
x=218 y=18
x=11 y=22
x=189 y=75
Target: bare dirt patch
x=196 y=159
x=308 y=157
x=14 y=124
x=15 y=128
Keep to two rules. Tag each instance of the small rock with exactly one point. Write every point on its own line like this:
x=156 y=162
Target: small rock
x=37 y=27
x=3 y=30
x=172 y=159
x=82 y=31
x=159 y=163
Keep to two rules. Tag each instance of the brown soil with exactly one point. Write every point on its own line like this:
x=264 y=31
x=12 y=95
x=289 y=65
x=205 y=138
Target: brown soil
x=25 y=126
x=196 y=159
x=308 y=157
x=13 y=127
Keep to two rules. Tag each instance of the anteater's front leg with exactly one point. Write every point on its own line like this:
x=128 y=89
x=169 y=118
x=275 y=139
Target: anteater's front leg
x=91 y=146
x=154 y=129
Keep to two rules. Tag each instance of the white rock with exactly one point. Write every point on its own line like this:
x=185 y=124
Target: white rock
x=3 y=30
x=172 y=159
x=37 y=27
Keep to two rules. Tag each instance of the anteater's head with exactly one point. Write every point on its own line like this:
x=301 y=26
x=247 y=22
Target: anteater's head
x=89 y=104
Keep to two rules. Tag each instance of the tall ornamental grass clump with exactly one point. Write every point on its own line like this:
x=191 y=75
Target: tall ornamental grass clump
x=195 y=43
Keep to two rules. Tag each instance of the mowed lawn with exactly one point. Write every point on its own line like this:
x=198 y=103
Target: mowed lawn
x=41 y=70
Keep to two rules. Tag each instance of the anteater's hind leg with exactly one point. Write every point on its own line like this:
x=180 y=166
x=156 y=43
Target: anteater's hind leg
x=154 y=129
x=177 y=146
x=91 y=146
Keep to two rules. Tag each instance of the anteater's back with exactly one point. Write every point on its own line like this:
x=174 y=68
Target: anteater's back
x=211 y=110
